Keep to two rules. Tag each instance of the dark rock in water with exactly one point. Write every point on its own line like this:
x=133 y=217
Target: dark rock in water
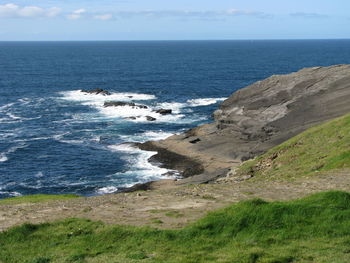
x=122 y=103
x=256 y=118
x=164 y=111
x=170 y=160
x=132 y=118
x=149 y=118
x=97 y=92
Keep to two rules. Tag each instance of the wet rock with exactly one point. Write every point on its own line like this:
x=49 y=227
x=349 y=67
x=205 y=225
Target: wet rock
x=122 y=103
x=149 y=118
x=164 y=111
x=97 y=92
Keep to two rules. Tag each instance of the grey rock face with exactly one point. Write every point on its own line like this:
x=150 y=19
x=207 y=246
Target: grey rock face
x=282 y=106
x=263 y=115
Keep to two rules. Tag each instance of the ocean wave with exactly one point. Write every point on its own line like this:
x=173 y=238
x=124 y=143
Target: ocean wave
x=4 y=155
x=6 y=106
x=204 y=101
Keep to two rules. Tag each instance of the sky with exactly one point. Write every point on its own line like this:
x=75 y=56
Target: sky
x=35 y=20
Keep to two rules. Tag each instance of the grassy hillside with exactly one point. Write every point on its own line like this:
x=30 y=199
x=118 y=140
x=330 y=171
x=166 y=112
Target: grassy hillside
x=319 y=149
x=35 y=199
x=313 y=229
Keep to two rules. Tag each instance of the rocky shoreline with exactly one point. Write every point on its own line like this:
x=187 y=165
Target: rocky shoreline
x=253 y=120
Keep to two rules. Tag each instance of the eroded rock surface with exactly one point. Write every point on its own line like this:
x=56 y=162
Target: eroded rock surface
x=260 y=116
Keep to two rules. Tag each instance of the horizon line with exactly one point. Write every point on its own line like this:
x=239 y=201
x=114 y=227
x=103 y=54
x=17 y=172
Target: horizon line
x=174 y=40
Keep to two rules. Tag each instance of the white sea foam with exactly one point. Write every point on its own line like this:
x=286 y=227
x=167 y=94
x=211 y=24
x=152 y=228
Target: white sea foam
x=107 y=190
x=147 y=136
x=139 y=164
x=126 y=112
x=77 y=95
x=176 y=107
x=204 y=101
x=156 y=135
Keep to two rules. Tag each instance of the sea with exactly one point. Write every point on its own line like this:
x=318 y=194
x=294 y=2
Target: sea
x=56 y=139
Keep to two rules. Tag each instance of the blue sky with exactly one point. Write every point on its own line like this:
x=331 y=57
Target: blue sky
x=173 y=20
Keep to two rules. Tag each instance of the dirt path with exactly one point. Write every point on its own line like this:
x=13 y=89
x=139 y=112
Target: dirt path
x=169 y=206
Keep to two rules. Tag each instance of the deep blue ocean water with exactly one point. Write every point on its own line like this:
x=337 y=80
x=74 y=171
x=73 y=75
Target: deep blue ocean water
x=55 y=139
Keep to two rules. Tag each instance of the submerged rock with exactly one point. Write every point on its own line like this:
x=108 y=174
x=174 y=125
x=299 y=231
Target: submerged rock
x=97 y=92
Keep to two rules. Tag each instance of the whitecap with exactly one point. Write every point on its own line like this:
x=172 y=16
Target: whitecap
x=6 y=106
x=204 y=101
x=13 y=116
x=3 y=157
x=39 y=174
x=99 y=99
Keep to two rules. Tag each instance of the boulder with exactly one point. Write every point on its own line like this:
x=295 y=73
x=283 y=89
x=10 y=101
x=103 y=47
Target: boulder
x=164 y=111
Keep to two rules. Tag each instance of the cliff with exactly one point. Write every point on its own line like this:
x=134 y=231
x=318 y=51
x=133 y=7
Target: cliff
x=254 y=119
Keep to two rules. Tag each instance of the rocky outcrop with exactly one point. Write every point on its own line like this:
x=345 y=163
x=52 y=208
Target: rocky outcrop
x=260 y=116
x=122 y=103
x=164 y=111
x=97 y=92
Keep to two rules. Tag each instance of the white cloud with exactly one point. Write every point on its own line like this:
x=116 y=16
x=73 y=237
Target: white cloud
x=79 y=11
x=15 y=11
x=76 y=14
x=104 y=17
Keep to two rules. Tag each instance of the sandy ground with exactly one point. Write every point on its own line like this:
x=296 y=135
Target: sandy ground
x=169 y=205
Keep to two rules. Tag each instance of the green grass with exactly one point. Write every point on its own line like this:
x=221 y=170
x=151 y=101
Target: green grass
x=319 y=149
x=35 y=199
x=312 y=229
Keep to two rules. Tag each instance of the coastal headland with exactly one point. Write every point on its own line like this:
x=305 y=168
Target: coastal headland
x=253 y=120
